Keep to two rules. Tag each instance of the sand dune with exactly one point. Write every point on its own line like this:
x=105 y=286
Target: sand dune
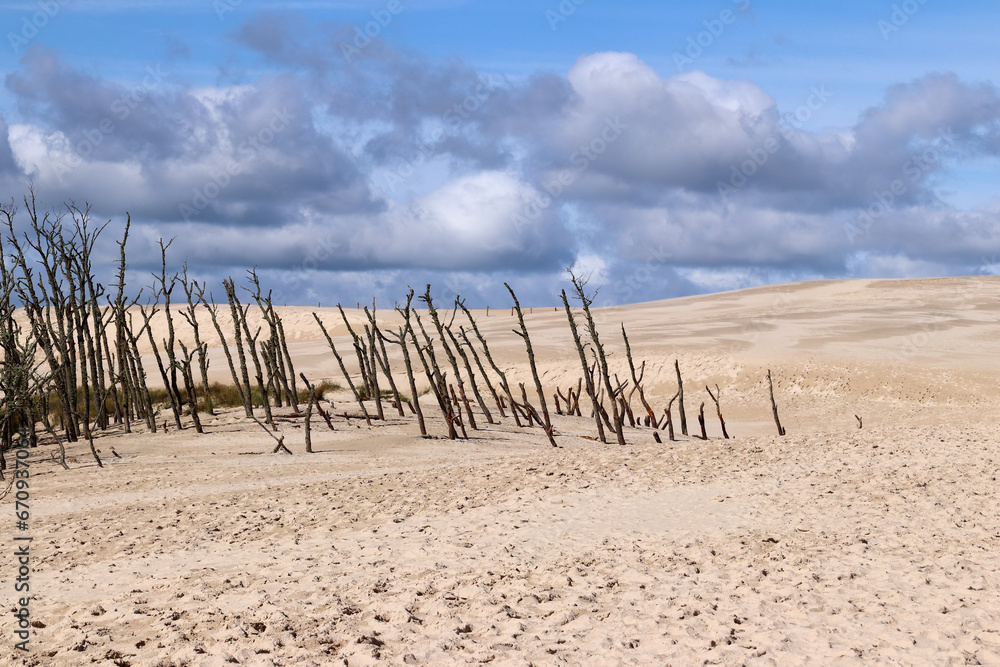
x=832 y=545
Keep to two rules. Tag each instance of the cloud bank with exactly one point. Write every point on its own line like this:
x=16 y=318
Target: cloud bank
x=340 y=178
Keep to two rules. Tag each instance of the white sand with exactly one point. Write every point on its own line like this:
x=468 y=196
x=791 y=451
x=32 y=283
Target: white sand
x=831 y=545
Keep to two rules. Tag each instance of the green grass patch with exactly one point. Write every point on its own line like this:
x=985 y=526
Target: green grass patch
x=219 y=395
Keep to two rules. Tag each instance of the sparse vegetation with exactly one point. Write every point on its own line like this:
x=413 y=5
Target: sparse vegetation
x=76 y=366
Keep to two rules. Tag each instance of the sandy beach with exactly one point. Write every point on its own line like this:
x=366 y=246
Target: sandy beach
x=830 y=545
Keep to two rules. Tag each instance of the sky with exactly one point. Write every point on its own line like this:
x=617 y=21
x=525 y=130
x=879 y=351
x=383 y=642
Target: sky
x=350 y=149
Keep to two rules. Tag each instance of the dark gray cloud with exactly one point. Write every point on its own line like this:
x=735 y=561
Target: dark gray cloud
x=8 y=165
x=341 y=175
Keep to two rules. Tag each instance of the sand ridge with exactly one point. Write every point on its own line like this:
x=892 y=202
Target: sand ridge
x=832 y=545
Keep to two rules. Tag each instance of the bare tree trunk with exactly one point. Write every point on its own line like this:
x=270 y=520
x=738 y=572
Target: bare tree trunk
x=191 y=289
x=482 y=372
x=670 y=419
x=376 y=341
x=472 y=377
x=174 y=404
x=235 y=310
x=280 y=438
x=447 y=349
x=637 y=380
x=271 y=380
x=585 y=301
x=680 y=395
x=435 y=377
x=167 y=284
x=369 y=383
x=140 y=373
x=493 y=365
x=283 y=352
x=189 y=387
x=774 y=406
x=212 y=312
x=715 y=398
x=343 y=369
x=251 y=340
x=401 y=341
x=319 y=408
x=534 y=369
x=701 y=421
x=307 y=426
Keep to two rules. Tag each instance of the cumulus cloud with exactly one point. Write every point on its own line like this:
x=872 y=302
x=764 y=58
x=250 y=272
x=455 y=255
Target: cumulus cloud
x=325 y=170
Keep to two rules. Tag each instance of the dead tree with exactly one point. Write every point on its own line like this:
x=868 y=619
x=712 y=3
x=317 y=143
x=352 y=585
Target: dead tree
x=637 y=380
x=77 y=252
x=138 y=372
x=701 y=421
x=20 y=378
x=147 y=317
x=131 y=374
x=193 y=289
x=368 y=376
x=282 y=371
x=343 y=369
x=319 y=408
x=715 y=398
x=489 y=358
x=400 y=339
x=472 y=376
x=251 y=339
x=280 y=438
x=482 y=371
x=240 y=388
x=166 y=288
x=670 y=419
x=440 y=327
x=680 y=398
x=307 y=425
x=534 y=369
x=382 y=355
x=234 y=310
x=587 y=375
x=774 y=406
x=435 y=377
x=585 y=301
x=185 y=365
x=78 y=324
x=45 y=304
x=860 y=423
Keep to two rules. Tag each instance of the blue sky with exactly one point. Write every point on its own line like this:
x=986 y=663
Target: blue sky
x=887 y=95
